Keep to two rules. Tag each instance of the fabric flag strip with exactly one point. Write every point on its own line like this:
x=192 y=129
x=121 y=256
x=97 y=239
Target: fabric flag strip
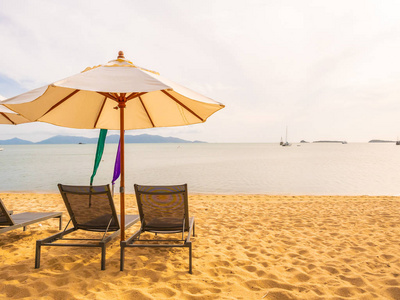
x=117 y=166
x=99 y=152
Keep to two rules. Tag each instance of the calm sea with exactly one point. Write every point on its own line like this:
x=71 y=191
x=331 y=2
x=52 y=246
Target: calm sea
x=304 y=169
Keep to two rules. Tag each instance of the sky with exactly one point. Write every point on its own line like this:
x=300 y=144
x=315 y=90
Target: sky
x=326 y=70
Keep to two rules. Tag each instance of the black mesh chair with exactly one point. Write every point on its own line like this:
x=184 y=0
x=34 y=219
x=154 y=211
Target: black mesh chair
x=162 y=210
x=10 y=221
x=91 y=208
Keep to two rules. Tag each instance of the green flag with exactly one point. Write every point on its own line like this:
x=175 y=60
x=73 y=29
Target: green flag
x=99 y=152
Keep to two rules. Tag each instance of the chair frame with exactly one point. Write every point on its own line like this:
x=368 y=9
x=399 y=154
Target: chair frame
x=187 y=226
x=15 y=221
x=130 y=220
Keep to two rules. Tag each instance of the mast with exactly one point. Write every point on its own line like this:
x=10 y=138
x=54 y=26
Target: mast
x=286 y=135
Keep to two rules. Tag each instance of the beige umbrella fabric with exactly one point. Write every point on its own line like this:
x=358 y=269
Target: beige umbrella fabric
x=7 y=116
x=87 y=100
x=117 y=95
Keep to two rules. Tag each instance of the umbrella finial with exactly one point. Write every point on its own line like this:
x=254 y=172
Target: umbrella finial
x=121 y=55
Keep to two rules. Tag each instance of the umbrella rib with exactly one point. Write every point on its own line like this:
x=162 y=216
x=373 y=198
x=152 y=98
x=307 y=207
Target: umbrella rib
x=183 y=105
x=108 y=95
x=101 y=110
x=60 y=102
x=134 y=95
x=5 y=116
x=147 y=112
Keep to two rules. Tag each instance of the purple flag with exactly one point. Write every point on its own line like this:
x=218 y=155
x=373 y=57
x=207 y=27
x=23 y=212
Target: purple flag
x=117 y=166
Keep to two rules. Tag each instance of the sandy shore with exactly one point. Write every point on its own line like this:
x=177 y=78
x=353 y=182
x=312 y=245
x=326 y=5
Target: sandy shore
x=246 y=247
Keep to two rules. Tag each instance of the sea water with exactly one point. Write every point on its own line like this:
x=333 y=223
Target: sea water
x=301 y=169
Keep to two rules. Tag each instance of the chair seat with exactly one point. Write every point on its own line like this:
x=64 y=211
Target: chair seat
x=29 y=218
x=100 y=223
x=164 y=224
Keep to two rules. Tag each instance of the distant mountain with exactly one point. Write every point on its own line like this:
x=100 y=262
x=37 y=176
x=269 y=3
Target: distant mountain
x=111 y=139
x=64 y=139
x=147 y=138
x=15 y=141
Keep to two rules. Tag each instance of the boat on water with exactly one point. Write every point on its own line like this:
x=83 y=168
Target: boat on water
x=1 y=149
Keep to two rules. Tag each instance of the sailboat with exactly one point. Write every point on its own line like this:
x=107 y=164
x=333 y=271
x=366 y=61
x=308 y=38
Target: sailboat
x=285 y=144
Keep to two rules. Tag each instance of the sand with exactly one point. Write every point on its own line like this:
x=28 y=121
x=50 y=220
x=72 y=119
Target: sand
x=246 y=247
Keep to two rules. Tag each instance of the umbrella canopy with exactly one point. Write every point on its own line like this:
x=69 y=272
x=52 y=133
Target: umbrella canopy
x=7 y=116
x=117 y=95
x=87 y=100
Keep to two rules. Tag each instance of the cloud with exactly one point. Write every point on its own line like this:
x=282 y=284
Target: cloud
x=325 y=69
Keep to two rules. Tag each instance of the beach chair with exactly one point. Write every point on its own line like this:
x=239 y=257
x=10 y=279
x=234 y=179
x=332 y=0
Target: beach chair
x=162 y=210
x=10 y=221
x=91 y=208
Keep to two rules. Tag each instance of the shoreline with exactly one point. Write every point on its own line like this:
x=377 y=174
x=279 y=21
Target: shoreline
x=246 y=247
x=218 y=194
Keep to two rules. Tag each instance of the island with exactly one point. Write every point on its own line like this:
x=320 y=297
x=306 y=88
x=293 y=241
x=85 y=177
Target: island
x=381 y=141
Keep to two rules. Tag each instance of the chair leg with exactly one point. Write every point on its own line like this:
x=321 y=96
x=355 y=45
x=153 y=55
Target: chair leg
x=122 y=256
x=37 y=254
x=190 y=258
x=60 y=224
x=103 y=256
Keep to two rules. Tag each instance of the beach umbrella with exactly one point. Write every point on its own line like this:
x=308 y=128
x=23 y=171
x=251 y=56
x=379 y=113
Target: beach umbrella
x=118 y=95
x=7 y=116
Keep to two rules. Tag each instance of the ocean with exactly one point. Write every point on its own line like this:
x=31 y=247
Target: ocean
x=302 y=169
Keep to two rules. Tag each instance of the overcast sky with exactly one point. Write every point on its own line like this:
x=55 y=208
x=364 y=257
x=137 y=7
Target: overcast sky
x=326 y=69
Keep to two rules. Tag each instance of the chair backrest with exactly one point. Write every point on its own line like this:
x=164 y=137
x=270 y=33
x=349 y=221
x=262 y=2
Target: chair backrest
x=5 y=218
x=163 y=208
x=90 y=207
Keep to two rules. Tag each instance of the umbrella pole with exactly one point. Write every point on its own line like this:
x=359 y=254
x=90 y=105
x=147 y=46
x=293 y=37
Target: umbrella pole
x=121 y=105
